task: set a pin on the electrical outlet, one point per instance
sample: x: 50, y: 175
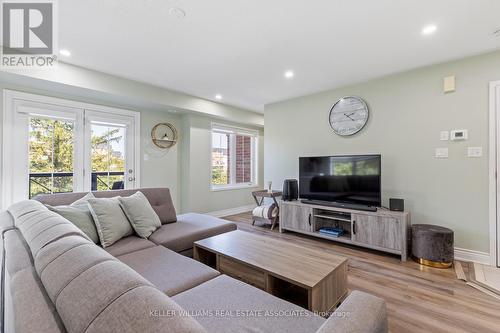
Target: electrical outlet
x: 441, y: 153
x: 475, y: 151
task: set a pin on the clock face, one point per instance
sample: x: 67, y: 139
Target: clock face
x: 349, y: 115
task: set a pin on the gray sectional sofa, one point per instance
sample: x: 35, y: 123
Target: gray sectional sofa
x: 55, y: 279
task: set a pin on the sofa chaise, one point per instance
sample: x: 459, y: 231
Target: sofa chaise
x: 55, y: 279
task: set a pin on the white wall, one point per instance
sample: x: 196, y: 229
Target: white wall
x: 407, y: 113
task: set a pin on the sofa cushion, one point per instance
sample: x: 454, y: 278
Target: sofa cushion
x: 110, y: 220
x: 141, y: 215
x: 54, y: 250
x: 129, y: 244
x: 189, y: 228
x: 6, y: 221
x: 170, y: 272
x: 245, y: 309
x: 18, y: 255
x: 366, y: 313
x: 38, y: 232
x: 67, y: 266
x: 144, y: 309
x: 23, y: 207
x: 92, y: 291
x: 33, y: 310
x: 29, y: 219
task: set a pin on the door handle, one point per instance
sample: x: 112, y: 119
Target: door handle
x: 354, y: 227
x: 309, y: 219
x: 131, y: 179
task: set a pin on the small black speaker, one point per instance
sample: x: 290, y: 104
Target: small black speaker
x: 290, y: 190
x: 397, y: 205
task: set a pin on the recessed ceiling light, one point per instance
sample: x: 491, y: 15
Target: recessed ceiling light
x: 64, y: 52
x: 218, y: 96
x: 429, y: 29
x: 177, y: 12
x: 289, y: 74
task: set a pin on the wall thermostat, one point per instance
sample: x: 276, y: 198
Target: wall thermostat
x: 457, y: 135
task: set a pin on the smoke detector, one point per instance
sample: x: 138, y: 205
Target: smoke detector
x: 177, y: 12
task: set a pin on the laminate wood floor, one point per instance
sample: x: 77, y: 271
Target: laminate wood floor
x: 419, y: 298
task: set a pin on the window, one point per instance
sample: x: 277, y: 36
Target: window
x: 234, y: 157
x: 54, y: 145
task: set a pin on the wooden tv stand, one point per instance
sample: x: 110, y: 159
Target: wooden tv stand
x: 383, y: 230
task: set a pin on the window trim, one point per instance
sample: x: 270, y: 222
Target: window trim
x: 12, y: 99
x: 235, y: 130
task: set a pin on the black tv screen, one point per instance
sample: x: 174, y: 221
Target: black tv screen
x: 352, y: 179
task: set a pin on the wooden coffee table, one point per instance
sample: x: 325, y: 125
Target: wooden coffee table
x: 311, y: 278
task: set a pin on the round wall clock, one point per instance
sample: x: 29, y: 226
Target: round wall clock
x: 348, y: 115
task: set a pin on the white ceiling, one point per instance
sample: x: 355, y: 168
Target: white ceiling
x: 240, y: 48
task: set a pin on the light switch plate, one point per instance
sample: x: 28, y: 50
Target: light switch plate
x: 475, y: 152
x: 441, y: 153
x: 444, y: 135
x: 449, y: 84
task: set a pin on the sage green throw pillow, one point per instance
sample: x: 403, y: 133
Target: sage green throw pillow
x: 79, y: 214
x: 141, y: 215
x: 110, y: 220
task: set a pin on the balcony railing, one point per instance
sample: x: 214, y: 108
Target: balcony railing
x: 62, y: 182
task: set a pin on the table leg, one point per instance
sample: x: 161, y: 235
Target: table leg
x: 256, y: 201
x: 276, y: 218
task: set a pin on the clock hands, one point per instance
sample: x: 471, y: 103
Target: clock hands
x: 349, y: 115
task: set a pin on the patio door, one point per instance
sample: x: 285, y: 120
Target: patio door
x: 53, y: 146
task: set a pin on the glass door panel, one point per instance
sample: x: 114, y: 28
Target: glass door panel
x: 109, y: 151
x: 107, y: 157
x: 51, y: 155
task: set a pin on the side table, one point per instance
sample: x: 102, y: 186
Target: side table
x: 259, y: 197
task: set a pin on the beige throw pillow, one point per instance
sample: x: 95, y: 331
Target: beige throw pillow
x: 110, y: 220
x: 141, y: 215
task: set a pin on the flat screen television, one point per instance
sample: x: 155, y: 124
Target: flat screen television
x: 351, y: 179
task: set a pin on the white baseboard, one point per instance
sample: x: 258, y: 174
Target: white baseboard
x: 471, y: 255
x: 232, y: 211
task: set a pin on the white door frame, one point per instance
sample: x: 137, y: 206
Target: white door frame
x: 494, y: 162
x: 126, y: 121
x: 11, y: 97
